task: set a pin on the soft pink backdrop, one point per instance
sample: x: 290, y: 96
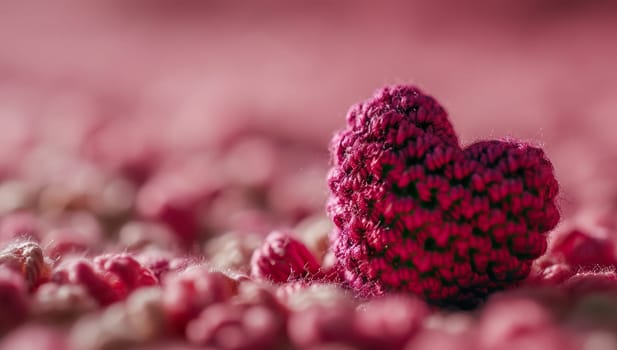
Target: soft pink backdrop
x: 185, y: 74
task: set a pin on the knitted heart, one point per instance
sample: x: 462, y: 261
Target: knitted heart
x: 416, y: 212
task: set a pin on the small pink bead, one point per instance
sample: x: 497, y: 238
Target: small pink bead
x: 237, y: 327
x: 582, y: 250
x: 389, y: 322
x: 283, y: 258
x: 320, y: 325
x: 27, y: 258
x: 187, y: 293
x: 108, y: 278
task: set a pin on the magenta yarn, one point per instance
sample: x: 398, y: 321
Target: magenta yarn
x: 415, y: 212
x: 283, y: 258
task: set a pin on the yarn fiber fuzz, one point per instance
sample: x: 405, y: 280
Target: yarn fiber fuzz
x: 415, y: 212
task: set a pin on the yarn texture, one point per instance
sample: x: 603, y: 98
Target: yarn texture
x: 283, y: 258
x: 415, y: 212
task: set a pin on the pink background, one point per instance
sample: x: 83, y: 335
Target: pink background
x: 184, y: 75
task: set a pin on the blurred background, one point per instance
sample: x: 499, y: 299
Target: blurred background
x: 179, y: 99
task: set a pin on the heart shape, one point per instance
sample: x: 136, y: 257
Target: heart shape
x: 415, y: 212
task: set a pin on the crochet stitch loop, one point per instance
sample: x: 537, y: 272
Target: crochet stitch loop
x: 415, y: 212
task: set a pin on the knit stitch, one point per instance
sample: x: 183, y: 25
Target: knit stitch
x: 415, y: 212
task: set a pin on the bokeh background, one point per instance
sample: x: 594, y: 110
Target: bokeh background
x: 157, y: 143
x: 133, y: 85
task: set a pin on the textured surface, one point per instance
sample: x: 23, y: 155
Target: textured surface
x: 181, y: 133
x: 282, y: 258
x: 417, y: 213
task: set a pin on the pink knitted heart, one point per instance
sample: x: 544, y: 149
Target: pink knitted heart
x: 415, y: 212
